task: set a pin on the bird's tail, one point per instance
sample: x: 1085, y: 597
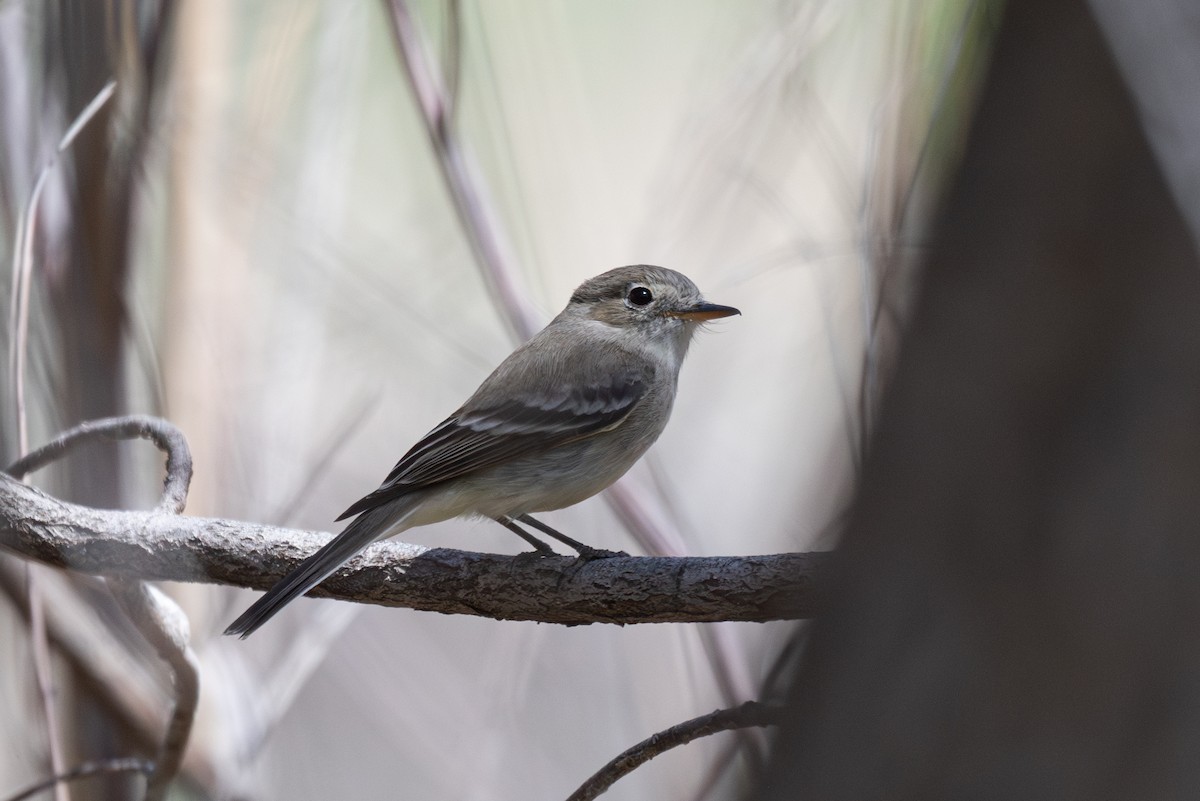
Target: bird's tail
x: 366, y: 528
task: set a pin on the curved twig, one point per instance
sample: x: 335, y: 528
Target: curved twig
x: 163, y: 624
x: 749, y: 714
x: 154, y: 615
x: 164, y: 435
x: 86, y: 770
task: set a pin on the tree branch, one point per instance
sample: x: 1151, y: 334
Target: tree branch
x: 163, y: 624
x: 156, y: 616
x: 86, y: 771
x: 130, y: 547
x: 158, y: 546
x: 165, y: 436
x: 751, y: 713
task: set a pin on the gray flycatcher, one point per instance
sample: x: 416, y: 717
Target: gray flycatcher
x: 559, y: 420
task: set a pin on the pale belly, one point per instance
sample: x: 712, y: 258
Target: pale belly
x: 554, y: 480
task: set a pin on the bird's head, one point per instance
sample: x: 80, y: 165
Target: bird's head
x: 647, y: 302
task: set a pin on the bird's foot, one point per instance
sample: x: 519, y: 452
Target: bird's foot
x: 589, y: 554
x: 536, y: 555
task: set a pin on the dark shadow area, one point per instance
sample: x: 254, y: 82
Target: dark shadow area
x: 1020, y: 583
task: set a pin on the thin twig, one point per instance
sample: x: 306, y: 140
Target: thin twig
x: 163, y: 624
x: 22, y: 278
x: 629, y: 502
x: 732, y: 676
x: 493, y: 253
x: 43, y: 674
x: 125, y: 683
x: 19, y: 339
x: 717, y: 768
x: 468, y: 191
x: 749, y: 714
x: 163, y: 434
x: 492, y: 250
x: 453, y: 58
x: 19, y: 312
x: 84, y: 771
x: 23, y: 261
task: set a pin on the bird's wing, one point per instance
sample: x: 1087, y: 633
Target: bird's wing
x: 496, y: 427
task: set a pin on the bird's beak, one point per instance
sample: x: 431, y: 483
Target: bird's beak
x: 704, y: 311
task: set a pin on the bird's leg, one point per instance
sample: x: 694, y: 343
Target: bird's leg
x: 541, y: 548
x: 586, y: 552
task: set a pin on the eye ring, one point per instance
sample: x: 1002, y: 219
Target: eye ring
x: 640, y: 296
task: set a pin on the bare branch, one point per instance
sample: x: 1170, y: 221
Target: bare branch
x: 155, y: 615
x: 163, y: 624
x: 164, y: 435
x: 156, y: 546
x: 47, y: 693
x: 751, y: 713
x: 127, y: 685
x: 129, y: 547
x: 18, y: 351
x: 86, y: 770
x: 468, y: 190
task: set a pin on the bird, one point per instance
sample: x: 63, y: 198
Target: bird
x: 562, y: 418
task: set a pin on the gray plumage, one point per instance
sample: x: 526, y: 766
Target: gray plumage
x: 563, y: 417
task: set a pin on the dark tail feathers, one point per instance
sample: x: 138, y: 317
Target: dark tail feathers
x: 367, y: 528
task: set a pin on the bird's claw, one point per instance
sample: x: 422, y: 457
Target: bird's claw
x: 535, y: 555
x: 589, y: 554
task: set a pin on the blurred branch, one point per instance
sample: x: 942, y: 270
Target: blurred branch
x: 453, y: 56
x: 158, y: 546
x: 44, y: 676
x: 23, y: 260
x: 163, y: 624
x: 154, y: 615
x: 436, y: 96
x: 22, y: 279
x: 165, y: 436
x: 125, y: 684
x: 84, y: 771
x: 749, y: 714
x: 466, y: 185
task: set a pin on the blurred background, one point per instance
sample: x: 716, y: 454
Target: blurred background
x: 235, y: 216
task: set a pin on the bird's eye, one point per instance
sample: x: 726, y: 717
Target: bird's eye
x: 640, y: 296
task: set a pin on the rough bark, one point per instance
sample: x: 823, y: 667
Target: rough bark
x: 622, y: 589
